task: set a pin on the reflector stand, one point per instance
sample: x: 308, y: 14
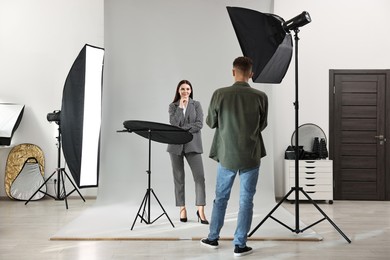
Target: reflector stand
x: 162, y: 133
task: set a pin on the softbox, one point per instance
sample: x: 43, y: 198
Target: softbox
x: 80, y: 118
x: 10, y: 117
x: 262, y: 38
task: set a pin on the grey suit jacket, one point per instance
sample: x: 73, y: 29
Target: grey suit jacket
x: 192, y: 121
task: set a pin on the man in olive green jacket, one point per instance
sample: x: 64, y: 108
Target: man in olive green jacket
x: 239, y: 114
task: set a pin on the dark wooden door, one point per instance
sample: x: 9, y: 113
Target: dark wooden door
x: 357, y: 127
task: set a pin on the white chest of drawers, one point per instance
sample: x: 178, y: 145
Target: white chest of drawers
x: 315, y: 177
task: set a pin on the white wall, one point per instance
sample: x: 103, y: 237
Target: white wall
x: 39, y: 41
x: 347, y: 34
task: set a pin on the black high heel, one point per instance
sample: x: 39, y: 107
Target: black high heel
x: 183, y: 219
x: 201, y: 220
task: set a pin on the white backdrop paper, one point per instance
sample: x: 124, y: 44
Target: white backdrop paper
x: 150, y: 46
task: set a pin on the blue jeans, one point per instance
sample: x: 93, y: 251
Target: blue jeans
x: 225, y: 180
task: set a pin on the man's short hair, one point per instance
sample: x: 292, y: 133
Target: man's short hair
x: 244, y: 64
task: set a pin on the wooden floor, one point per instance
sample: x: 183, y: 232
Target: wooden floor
x: 25, y: 233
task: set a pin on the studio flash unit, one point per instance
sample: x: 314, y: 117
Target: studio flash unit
x: 298, y: 21
x: 54, y: 117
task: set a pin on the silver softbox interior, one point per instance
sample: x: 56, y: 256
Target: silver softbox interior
x: 10, y: 117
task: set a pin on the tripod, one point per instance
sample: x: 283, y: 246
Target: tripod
x: 162, y: 133
x: 61, y: 177
x: 149, y: 191
x: 296, y: 189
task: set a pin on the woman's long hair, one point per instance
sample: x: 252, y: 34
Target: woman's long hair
x: 177, y: 94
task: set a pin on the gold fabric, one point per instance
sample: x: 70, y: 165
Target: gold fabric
x: 16, y: 159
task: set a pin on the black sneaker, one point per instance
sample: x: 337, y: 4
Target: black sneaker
x: 238, y: 251
x: 209, y: 243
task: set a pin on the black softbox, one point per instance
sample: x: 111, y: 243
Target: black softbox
x: 263, y: 39
x: 80, y: 117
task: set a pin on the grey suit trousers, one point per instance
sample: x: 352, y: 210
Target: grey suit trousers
x: 196, y: 164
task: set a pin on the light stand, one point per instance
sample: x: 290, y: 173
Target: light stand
x: 149, y: 191
x: 296, y: 189
x: 61, y: 177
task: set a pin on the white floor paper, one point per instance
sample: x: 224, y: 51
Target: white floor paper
x: 110, y: 219
x: 114, y: 222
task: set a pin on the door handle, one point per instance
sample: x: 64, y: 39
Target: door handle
x: 381, y: 139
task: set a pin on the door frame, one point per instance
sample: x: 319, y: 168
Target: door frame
x: 332, y: 111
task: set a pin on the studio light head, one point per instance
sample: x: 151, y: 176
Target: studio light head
x: 296, y: 22
x: 54, y: 117
x: 263, y: 39
x: 266, y: 39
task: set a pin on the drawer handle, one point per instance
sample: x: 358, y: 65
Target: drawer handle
x: 310, y: 192
x: 310, y: 172
x: 309, y: 167
x: 310, y: 178
x: 310, y: 185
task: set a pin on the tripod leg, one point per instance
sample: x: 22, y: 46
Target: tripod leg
x: 162, y: 207
x: 271, y: 212
x: 39, y: 189
x: 147, y: 200
x: 326, y: 216
x: 74, y: 186
x: 144, y: 201
x: 62, y: 179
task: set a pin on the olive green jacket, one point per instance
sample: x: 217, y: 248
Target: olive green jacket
x: 239, y: 114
